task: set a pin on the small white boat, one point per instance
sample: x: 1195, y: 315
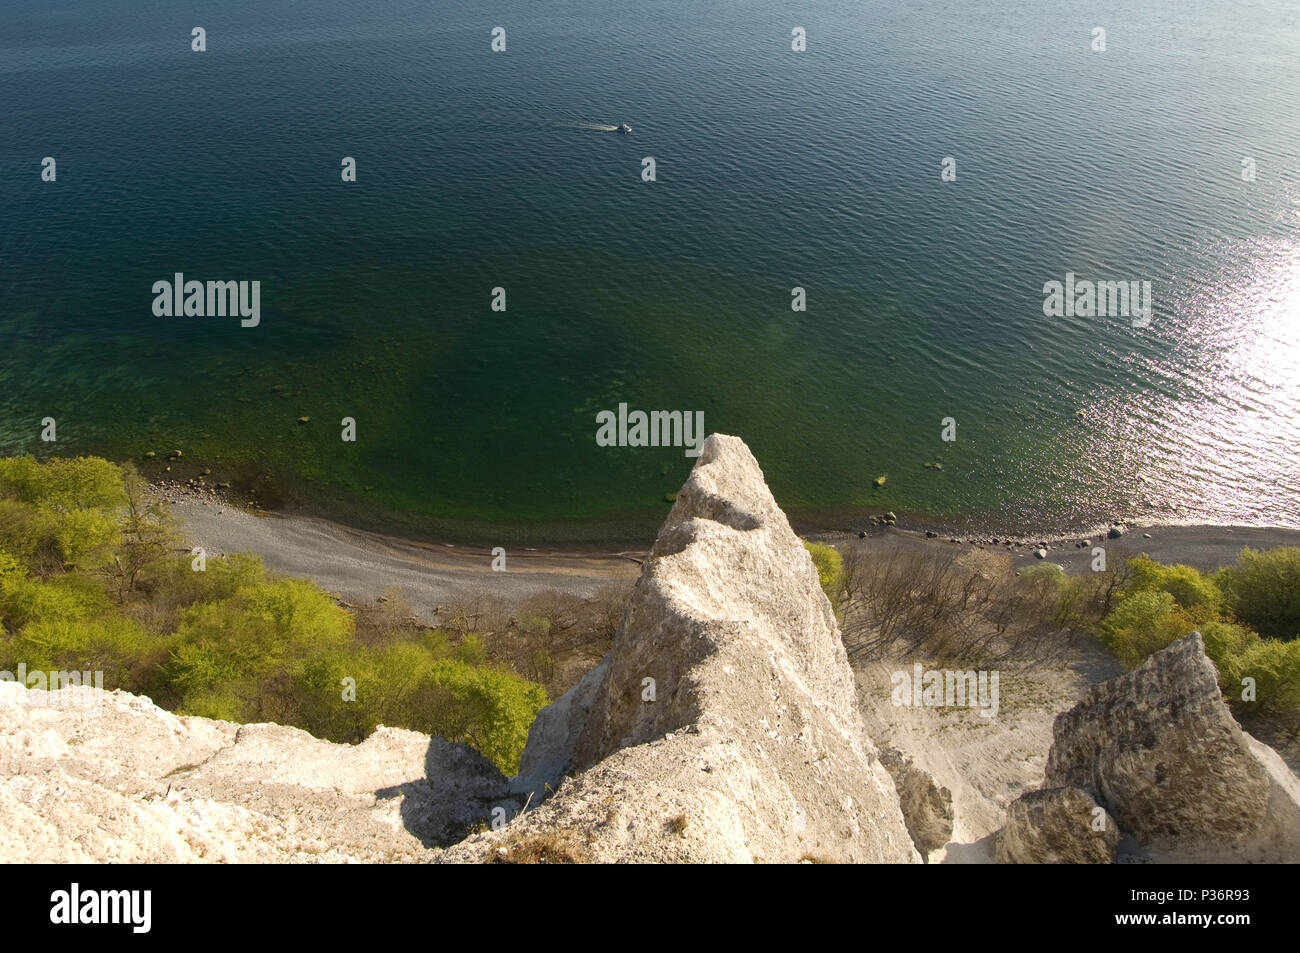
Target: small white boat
x: 624, y: 127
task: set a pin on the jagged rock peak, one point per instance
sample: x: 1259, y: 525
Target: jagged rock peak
x: 722, y: 725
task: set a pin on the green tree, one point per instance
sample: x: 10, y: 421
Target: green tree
x: 70, y: 598
x: 1263, y: 590
x: 147, y: 533
x: 234, y: 655
x: 1191, y: 589
x: 62, y: 514
x: 488, y: 709
x: 115, y: 646
x: 1274, y: 668
x: 1144, y: 622
x: 83, y: 483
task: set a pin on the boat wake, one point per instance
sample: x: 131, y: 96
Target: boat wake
x: 589, y: 126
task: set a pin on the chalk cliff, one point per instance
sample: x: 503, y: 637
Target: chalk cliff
x: 722, y: 726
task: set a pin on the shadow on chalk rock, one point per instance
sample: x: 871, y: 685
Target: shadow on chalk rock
x: 461, y: 792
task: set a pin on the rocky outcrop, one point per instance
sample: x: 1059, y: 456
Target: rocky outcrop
x: 553, y: 737
x: 94, y: 776
x: 926, y: 804
x: 722, y: 725
x: 1160, y: 751
x: 1057, y: 826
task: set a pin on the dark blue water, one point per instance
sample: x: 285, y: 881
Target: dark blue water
x: 775, y: 169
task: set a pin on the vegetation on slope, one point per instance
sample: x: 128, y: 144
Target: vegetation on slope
x: 830, y: 568
x: 92, y: 578
x: 1233, y: 609
x: 972, y: 605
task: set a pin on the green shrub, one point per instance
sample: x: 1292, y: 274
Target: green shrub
x: 220, y: 706
x: 1191, y: 589
x: 9, y: 567
x: 830, y: 569
x: 1227, y: 644
x: 1263, y: 590
x: 1049, y: 576
x: 315, y: 695
x: 472, y: 650
x: 83, y: 483
x: 71, y: 598
x: 1163, y: 603
x: 1083, y: 599
x: 1142, y: 623
x: 399, y: 675
x: 1275, y: 668
x: 1043, y: 583
x: 266, y: 624
x: 229, y: 642
x: 487, y: 708
x: 200, y: 669
x: 1052, y: 597
x: 230, y: 654
x: 539, y: 665
x: 60, y: 514
x: 1223, y: 639
x: 436, y: 641
x: 406, y: 685
x: 50, y: 540
x: 221, y: 578
x: 115, y: 646
x: 534, y: 624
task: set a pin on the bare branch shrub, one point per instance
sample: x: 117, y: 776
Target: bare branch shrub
x: 945, y: 603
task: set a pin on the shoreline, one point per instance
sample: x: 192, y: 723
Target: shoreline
x: 254, y: 488
x: 266, y: 496
x: 359, y: 563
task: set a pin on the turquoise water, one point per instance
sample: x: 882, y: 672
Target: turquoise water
x: 775, y: 169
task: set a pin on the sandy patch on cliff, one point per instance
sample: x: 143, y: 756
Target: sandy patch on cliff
x: 987, y: 762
